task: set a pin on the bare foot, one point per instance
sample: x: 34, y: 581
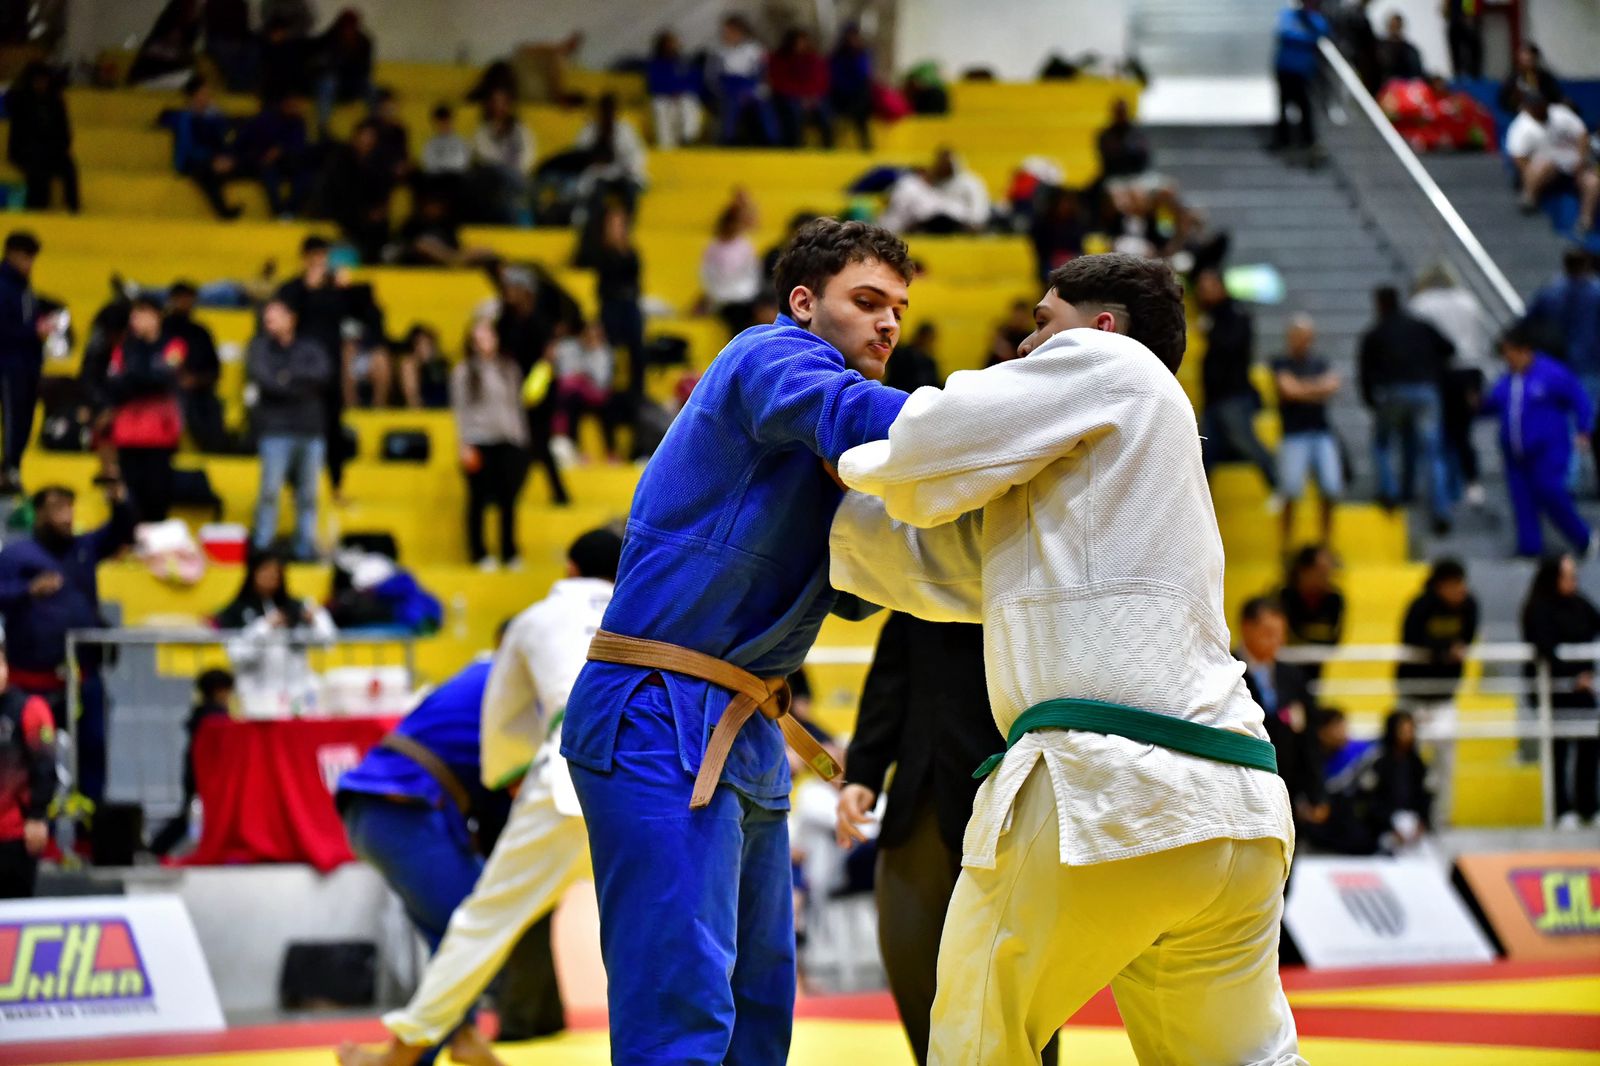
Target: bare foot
x: 469, y: 1048
x: 392, y: 1054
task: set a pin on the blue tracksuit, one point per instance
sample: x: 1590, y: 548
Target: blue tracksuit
x: 727, y: 553
x: 423, y: 848
x: 1539, y: 410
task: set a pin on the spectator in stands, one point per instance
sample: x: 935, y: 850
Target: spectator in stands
x: 1549, y: 145
x: 1402, y: 360
x: 616, y: 168
x: 430, y: 237
x: 230, y: 44
x: 673, y: 86
x: 1398, y: 58
x: 446, y: 154
x: 394, y: 140
x: 296, y: 16
x: 532, y: 315
x: 291, y: 373
x: 730, y: 271
x: 618, y: 292
x: 737, y: 70
x: 1284, y: 693
x: 1439, y: 625
x: 1352, y: 29
x: 199, y: 371
x: 320, y: 299
x: 1565, y: 316
x: 1015, y: 328
x: 28, y: 785
x: 1464, y: 31
x: 799, y: 76
x: 24, y: 325
x: 39, y: 142
x: 202, y: 145
x: 1124, y: 149
x: 49, y: 586
x: 1058, y: 230
x: 344, y: 62
x: 584, y: 367
x: 1230, y: 400
x: 1300, y: 26
x: 945, y: 197
x: 215, y: 690
x: 1313, y: 606
x: 1438, y: 299
x: 169, y: 49
x: 502, y: 160
x: 1305, y: 384
x: 274, y: 149
x: 1542, y: 410
x: 146, y: 420
x: 359, y: 186
x: 850, y: 82
x: 1529, y: 77
x: 285, y: 55
x: 1556, y: 613
x: 273, y: 675
x: 1401, y: 810
x: 485, y: 393
x: 914, y: 364
x: 424, y: 369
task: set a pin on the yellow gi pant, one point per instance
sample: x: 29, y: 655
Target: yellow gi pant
x: 540, y: 853
x: 1187, y: 939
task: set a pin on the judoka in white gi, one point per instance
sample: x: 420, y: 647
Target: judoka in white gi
x: 1059, y: 499
x: 543, y: 849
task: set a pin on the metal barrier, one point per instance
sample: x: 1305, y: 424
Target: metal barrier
x: 1535, y: 717
x: 149, y: 678
x: 1396, y: 192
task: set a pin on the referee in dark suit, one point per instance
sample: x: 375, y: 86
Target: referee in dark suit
x: 925, y: 712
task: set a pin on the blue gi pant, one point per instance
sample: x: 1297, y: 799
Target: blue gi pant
x: 423, y: 853
x: 1538, y: 485
x: 696, y: 916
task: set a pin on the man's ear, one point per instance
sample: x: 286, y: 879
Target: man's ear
x: 1106, y: 321
x: 802, y: 305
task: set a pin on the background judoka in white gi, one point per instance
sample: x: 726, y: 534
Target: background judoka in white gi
x: 1060, y: 500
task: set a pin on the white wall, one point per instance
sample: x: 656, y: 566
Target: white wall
x: 1568, y: 32
x: 1013, y: 37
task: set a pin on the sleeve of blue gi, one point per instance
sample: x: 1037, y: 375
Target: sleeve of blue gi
x: 802, y: 394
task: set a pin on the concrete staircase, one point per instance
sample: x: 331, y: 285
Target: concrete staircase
x: 1526, y: 247
x: 1213, y: 38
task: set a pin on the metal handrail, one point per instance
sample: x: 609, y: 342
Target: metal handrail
x: 1350, y: 82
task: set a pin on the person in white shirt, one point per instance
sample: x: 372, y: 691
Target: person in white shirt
x: 446, y: 152
x: 503, y: 153
x: 945, y: 198
x: 1135, y: 831
x: 1550, y: 146
x: 543, y: 849
x: 617, y: 153
x: 730, y: 270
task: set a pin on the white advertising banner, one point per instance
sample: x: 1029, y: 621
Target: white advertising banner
x: 101, y: 966
x: 1346, y: 912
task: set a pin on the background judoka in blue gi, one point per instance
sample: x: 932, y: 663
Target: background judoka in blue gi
x: 726, y: 553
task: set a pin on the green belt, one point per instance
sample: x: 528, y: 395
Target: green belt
x: 1147, y: 727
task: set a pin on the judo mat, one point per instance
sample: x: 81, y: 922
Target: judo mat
x: 1527, y: 1014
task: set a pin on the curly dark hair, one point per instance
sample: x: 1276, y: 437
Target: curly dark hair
x: 1144, y: 288
x: 824, y: 246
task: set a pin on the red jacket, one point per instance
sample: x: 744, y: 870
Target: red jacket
x: 27, y: 761
x: 802, y: 76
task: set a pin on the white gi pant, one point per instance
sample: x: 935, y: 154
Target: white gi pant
x: 540, y: 853
x: 1187, y: 938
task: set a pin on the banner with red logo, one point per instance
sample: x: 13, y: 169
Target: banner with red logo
x: 1541, y: 904
x: 101, y: 966
x: 1379, y: 912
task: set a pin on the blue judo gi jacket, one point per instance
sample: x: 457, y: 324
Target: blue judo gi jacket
x: 726, y: 550
x: 1539, y: 410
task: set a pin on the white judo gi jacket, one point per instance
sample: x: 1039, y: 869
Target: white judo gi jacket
x: 1060, y: 500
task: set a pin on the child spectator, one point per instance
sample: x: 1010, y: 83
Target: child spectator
x: 730, y: 271
x: 584, y: 368
x: 485, y: 392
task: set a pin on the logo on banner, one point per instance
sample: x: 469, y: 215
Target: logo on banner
x: 1560, y: 901
x: 81, y: 963
x: 336, y: 760
x: 1373, y: 904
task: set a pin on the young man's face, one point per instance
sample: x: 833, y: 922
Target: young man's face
x: 858, y: 312
x: 1052, y: 314
x: 1263, y: 636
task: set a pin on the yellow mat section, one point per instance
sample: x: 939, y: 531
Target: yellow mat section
x: 1550, y: 995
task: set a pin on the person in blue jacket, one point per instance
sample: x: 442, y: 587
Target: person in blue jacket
x: 1542, y: 408
x: 726, y: 555
x: 1300, y: 26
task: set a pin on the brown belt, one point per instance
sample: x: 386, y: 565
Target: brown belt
x: 435, y: 766
x: 770, y: 696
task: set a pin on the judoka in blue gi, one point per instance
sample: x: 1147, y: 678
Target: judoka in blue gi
x: 726, y: 555
x: 1541, y: 406
x: 406, y: 807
